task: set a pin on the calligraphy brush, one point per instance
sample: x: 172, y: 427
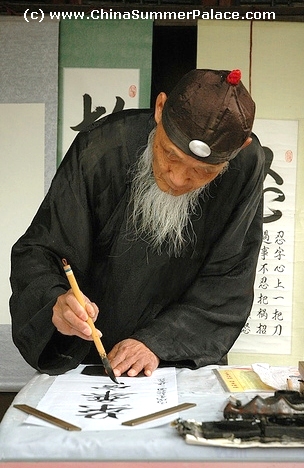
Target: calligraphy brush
x: 99, y: 346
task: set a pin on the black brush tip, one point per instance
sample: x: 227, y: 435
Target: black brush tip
x: 109, y: 369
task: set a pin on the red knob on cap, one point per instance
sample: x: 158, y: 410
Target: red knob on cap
x: 234, y: 77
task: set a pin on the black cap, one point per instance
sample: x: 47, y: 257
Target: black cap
x: 209, y: 115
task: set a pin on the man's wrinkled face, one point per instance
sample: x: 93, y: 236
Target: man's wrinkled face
x: 176, y: 172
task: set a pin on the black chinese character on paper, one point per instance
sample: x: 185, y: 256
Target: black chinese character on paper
x: 278, y: 180
x: 90, y: 116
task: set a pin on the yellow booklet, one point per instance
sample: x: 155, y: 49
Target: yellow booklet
x: 241, y: 379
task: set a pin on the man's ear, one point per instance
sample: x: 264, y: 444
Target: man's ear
x: 246, y: 143
x: 159, y: 105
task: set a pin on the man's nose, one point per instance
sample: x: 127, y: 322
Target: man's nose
x: 180, y: 177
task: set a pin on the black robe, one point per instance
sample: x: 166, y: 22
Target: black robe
x: 188, y: 310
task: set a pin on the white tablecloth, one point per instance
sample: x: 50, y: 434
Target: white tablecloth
x: 21, y: 441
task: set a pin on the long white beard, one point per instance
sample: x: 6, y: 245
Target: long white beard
x: 161, y: 219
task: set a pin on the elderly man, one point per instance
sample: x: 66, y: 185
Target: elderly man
x: 160, y: 217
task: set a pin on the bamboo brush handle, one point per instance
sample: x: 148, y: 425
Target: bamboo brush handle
x: 79, y: 296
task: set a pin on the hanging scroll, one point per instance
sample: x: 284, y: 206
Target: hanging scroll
x: 269, y: 327
x: 101, y: 70
x: 92, y: 93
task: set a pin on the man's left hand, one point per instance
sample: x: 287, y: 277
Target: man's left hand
x: 132, y: 356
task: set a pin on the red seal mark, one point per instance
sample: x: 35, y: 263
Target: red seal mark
x: 132, y: 91
x: 288, y: 156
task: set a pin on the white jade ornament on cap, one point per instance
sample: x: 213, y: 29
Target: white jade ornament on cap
x: 199, y: 148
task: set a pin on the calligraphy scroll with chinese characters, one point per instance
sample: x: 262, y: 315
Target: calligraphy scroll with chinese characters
x: 269, y: 327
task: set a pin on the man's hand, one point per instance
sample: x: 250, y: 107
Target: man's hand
x: 132, y: 356
x: 69, y: 317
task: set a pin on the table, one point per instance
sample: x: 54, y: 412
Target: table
x: 22, y: 442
